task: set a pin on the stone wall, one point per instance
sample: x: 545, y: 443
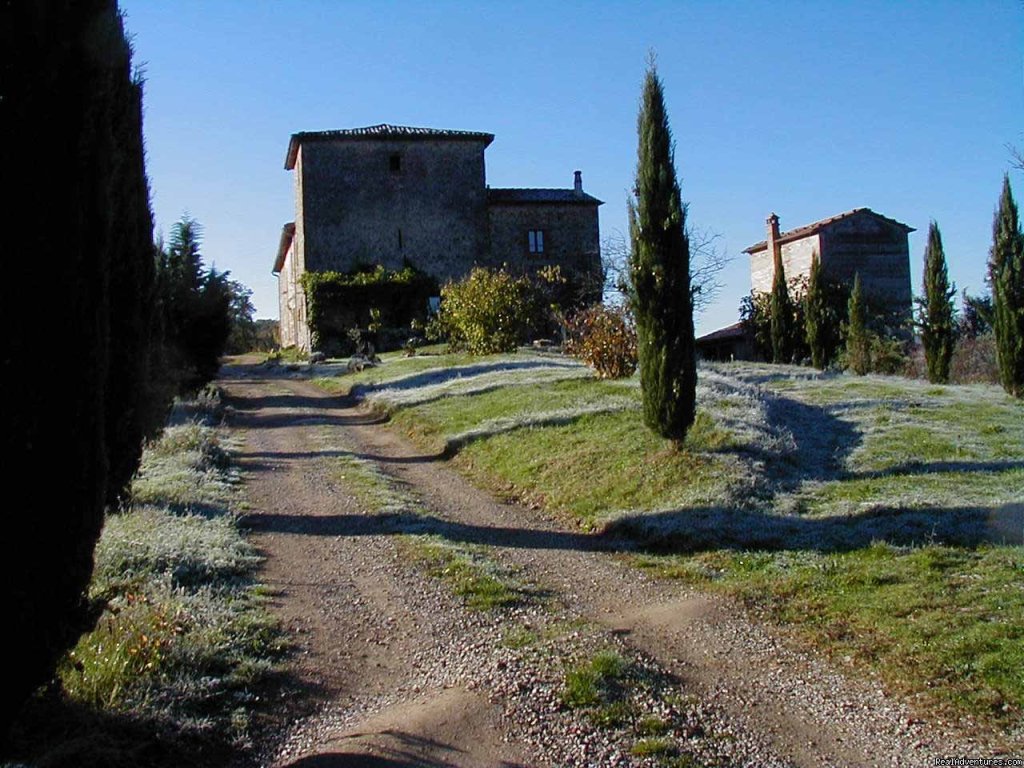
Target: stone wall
x: 356, y: 207
x: 571, y: 238
x: 796, y: 262
x: 879, y: 252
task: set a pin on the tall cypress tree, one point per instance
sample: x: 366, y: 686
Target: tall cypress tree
x: 816, y: 316
x: 782, y: 314
x: 936, y: 314
x: 61, y: 64
x: 1006, y: 274
x: 660, y: 272
x: 858, y: 339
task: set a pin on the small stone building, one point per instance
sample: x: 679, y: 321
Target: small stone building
x: 856, y: 242
x: 396, y: 195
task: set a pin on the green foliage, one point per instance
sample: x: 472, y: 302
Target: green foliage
x: 823, y: 318
x: 976, y: 317
x: 79, y: 233
x: 756, y: 316
x: 244, y: 335
x: 486, y: 312
x: 594, y: 681
x: 604, y: 337
x: 337, y: 302
x: 662, y: 301
x: 936, y: 314
x: 1006, y: 275
x: 196, y: 305
x: 858, y: 338
x: 781, y: 308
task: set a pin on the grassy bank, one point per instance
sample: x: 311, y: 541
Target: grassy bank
x: 879, y: 517
x: 172, y: 671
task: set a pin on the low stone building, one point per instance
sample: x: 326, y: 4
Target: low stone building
x: 855, y: 242
x: 859, y: 241
x: 397, y: 196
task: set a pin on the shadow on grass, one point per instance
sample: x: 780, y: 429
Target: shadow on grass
x: 704, y: 528
x: 410, y: 523
x: 54, y: 732
x: 442, y: 375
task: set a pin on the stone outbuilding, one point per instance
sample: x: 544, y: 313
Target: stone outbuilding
x: 397, y: 196
x: 859, y: 241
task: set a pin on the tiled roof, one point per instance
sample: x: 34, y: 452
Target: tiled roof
x: 382, y: 131
x: 734, y: 331
x: 516, y: 196
x: 810, y: 229
x: 287, y: 233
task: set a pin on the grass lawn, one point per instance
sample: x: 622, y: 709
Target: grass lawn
x: 879, y: 517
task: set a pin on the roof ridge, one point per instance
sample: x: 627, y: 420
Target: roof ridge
x: 814, y: 226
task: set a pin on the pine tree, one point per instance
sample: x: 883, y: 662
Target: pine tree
x: 858, y: 338
x: 816, y: 316
x: 782, y: 314
x: 936, y: 314
x: 660, y: 271
x: 1006, y: 274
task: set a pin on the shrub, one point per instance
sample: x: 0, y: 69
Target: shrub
x: 974, y: 361
x: 486, y: 312
x: 604, y: 338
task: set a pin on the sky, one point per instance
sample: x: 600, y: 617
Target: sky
x: 805, y: 109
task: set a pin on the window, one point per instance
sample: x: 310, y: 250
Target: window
x: 395, y: 162
x: 535, y: 240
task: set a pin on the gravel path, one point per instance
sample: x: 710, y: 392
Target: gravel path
x: 392, y: 669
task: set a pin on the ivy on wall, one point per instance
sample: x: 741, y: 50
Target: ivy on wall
x: 339, y: 301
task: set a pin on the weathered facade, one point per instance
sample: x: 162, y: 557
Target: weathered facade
x: 395, y: 195
x: 855, y: 242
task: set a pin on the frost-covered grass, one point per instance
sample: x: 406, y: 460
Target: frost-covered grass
x: 184, y: 641
x: 882, y: 518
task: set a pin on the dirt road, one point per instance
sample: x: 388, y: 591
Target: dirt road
x: 395, y: 670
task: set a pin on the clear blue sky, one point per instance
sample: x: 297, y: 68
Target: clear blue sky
x: 802, y: 108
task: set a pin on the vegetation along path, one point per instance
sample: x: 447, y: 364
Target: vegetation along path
x: 438, y: 625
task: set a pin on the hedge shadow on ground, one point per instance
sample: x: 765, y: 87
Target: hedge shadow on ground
x: 709, y: 528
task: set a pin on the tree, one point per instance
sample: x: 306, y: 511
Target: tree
x: 781, y: 314
x: 936, y: 314
x: 78, y: 242
x: 976, y: 316
x: 1006, y: 275
x: 196, y: 308
x: 662, y: 300
x: 858, y: 337
x: 822, y: 318
x: 243, y: 336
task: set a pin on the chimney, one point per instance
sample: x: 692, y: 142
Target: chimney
x: 773, y: 235
x: 578, y: 182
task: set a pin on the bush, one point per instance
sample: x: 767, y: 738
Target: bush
x: 974, y: 361
x: 604, y: 338
x: 485, y: 312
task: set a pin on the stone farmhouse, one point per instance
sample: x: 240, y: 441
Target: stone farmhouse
x: 859, y: 241
x: 395, y: 195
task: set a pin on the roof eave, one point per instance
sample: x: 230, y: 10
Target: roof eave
x: 287, y: 235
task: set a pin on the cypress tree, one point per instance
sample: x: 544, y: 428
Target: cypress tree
x: 817, y: 316
x: 60, y: 67
x: 137, y: 406
x: 1006, y: 274
x: 660, y: 273
x: 936, y: 313
x: 782, y: 314
x: 858, y: 339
